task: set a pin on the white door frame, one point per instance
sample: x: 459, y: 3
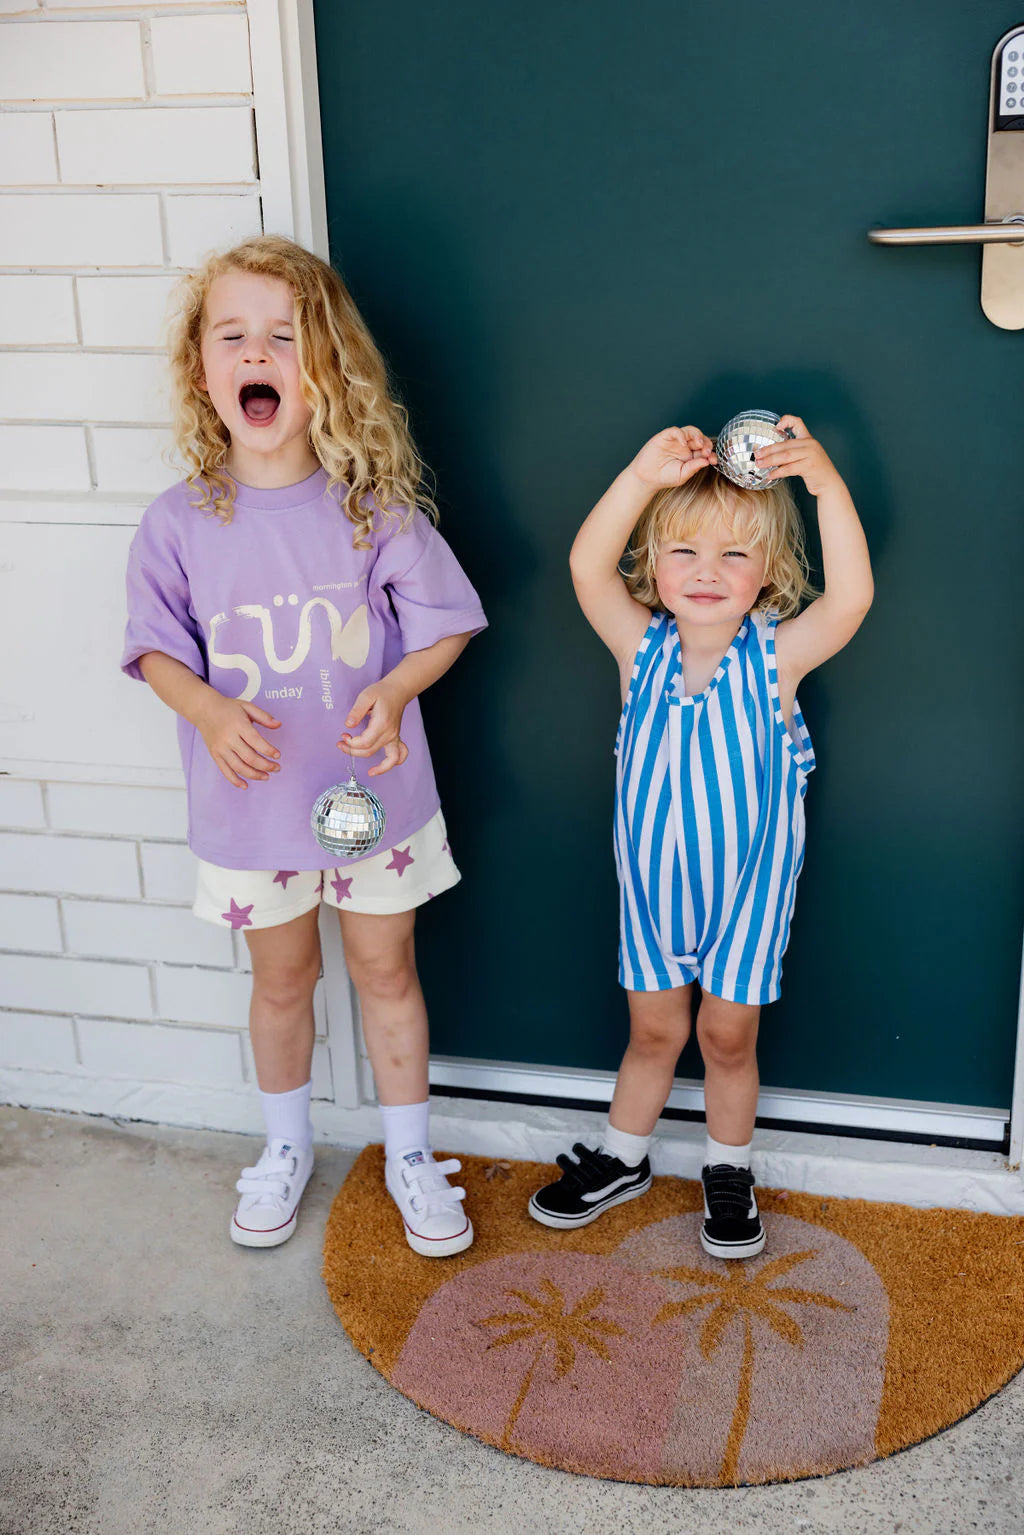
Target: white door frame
x: 287, y: 106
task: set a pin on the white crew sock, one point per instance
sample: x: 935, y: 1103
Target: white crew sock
x: 406, y: 1127
x: 630, y: 1149
x: 717, y: 1152
x: 286, y: 1116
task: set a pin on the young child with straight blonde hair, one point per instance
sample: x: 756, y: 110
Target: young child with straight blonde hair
x: 290, y: 590
x: 713, y: 756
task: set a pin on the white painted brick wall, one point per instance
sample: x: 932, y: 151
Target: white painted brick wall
x: 119, y: 930
x: 127, y: 458
x: 203, y: 996
x: 104, y: 807
x: 166, y: 144
x: 200, y: 55
x: 21, y: 803
x: 37, y: 311
x: 80, y: 230
x: 44, y: 458
x: 74, y: 386
x: 37, y: 1042
x: 54, y: 62
x: 198, y: 225
x: 75, y: 986
x: 124, y: 311
x: 160, y: 1054
x: 30, y: 922
x: 126, y: 153
x: 76, y: 865
x: 28, y: 154
x: 168, y: 873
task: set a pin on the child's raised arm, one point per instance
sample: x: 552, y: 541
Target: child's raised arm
x: 830, y: 622
x: 671, y: 458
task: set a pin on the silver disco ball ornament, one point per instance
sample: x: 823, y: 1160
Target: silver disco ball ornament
x: 348, y: 820
x: 740, y: 439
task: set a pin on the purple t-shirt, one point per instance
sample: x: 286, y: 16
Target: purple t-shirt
x: 278, y: 608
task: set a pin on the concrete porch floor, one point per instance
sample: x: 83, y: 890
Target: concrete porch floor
x: 159, y: 1379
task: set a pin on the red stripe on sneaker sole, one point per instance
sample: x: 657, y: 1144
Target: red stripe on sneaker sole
x: 452, y: 1238
x: 266, y: 1230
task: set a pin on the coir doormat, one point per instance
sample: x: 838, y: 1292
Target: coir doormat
x: 624, y: 1351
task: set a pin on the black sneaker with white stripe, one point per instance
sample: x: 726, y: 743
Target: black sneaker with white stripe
x: 732, y: 1225
x: 591, y: 1182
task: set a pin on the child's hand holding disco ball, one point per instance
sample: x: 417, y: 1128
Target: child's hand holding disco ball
x: 742, y: 439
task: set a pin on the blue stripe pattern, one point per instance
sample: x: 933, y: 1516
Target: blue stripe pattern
x: 709, y: 818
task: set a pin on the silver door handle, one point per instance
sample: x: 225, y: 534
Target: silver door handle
x: 1008, y: 232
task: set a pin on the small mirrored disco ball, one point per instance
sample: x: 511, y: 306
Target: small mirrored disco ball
x: 348, y: 820
x: 740, y: 439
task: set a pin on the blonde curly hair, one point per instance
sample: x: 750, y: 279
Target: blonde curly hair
x: 359, y: 431
x: 767, y: 519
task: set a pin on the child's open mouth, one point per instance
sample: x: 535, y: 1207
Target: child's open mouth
x: 259, y: 402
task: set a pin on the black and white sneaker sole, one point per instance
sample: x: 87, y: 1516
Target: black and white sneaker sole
x: 748, y: 1249
x: 585, y: 1217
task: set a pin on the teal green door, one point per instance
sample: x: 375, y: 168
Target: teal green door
x: 570, y: 225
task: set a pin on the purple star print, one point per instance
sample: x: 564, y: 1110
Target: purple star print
x: 401, y: 858
x: 342, y: 887
x: 283, y: 876
x: 238, y: 916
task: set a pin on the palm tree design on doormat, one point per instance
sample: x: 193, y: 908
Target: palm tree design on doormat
x: 548, y: 1322
x: 739, y: 1294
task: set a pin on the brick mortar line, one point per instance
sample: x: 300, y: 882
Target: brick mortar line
x: 134, y: 13
x: 148, y: 63
x: 100, y: 12
x: 84, y: 349
x: 92, y: 958
x: 90, y: 456
x: 239, y: 1031
x: 13, y: 107
x: 94, y: 495
x: 13, y: 269
x: 104, y: 836
x: 134, y: 1023
x: 130, y: 188
x: 109, y: 900
x: 153, y: 902
x: 56, y: 144
x: 76, y: 309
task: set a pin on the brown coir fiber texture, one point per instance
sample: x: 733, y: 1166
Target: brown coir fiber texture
x: 622, y: 1350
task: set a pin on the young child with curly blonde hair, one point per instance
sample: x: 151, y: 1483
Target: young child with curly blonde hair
x: 292, y: 589
x: 713, y: 756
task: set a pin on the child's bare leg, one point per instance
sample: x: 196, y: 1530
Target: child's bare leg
x: 659, y: 1026
x: 727, y: 1035
x: 381, y: 960
x: 593, y: 1180
x: 285, y: 966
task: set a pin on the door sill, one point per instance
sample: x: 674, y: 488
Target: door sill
x: 779, y: 1109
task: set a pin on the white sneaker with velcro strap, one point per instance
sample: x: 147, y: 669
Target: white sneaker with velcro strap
x: 265, y: 1214
x: 436, y: 1225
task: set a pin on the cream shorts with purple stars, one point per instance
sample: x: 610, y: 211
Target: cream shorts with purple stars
x: 399, y: 879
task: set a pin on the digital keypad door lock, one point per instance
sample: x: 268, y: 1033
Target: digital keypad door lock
x: 1001, y: 236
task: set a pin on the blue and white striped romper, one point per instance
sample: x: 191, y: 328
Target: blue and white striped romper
x: 709, y: 818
